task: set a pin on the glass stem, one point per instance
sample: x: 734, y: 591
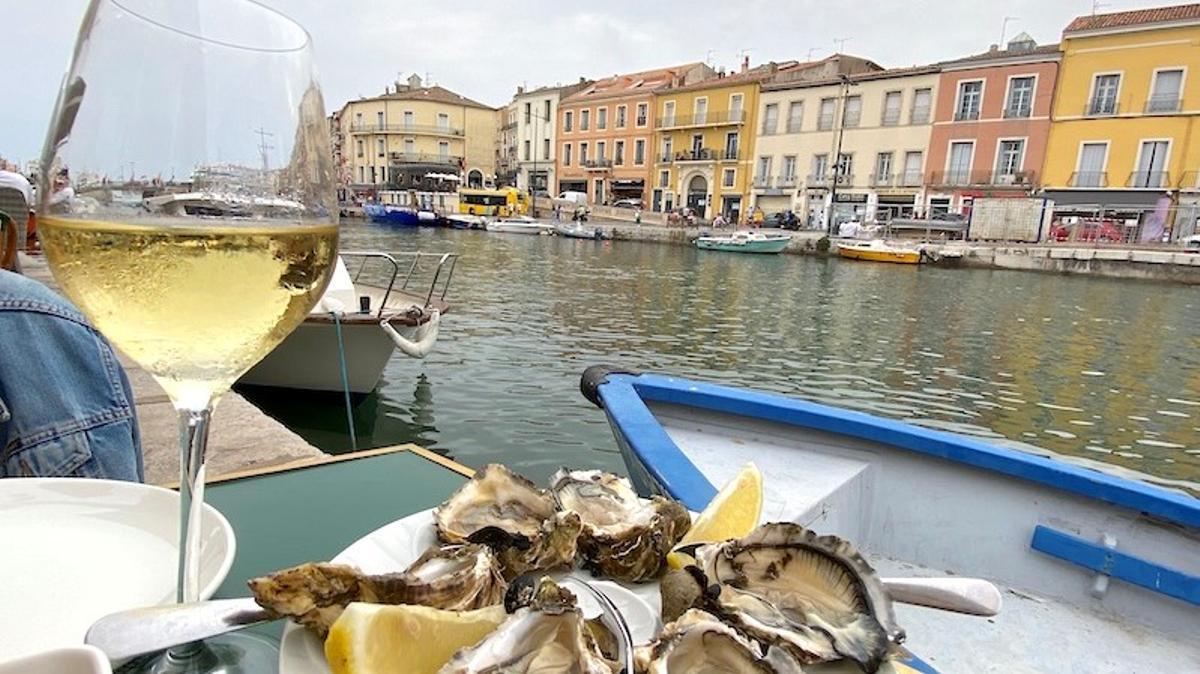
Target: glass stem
x: 193, y: 440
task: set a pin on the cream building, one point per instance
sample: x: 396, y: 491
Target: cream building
x: 535, y: 137
x: 882, y: 119
x: 412, y: 134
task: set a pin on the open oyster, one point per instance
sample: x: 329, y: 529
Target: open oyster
x: 623, y: 537
x: 515, y: 518
x: 457, y: 578
x: 544, y: 633
x: 698, y: 643
x: 811, y: 595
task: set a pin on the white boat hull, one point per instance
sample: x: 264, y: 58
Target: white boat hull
x: 308, y: 358
x: 518, y: 227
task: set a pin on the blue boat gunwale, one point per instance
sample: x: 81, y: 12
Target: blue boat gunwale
x: 624, y: 397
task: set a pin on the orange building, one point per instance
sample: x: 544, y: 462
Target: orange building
x: 991, y: 123
x: 605, y: 133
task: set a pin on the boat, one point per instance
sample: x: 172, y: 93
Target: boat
x: 361, y: 324
x: 221, y: 204
x: 578, y: 230
x: 745, y: 242
x: 1099, y: 572
x: 519, y: 224
x: 460, y: 221
x: 877, y: 250
x: 398, y: 215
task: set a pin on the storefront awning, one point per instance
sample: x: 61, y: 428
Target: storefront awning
x: 1112, y: 199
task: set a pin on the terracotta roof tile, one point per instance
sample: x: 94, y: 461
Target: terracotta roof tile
x: 434, y: 93
x: 1039, y: 50
x: 1134, y: 18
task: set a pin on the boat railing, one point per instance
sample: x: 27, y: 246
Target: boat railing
x: 440, y: 267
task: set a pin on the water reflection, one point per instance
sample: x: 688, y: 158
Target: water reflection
x: 1097, y: 369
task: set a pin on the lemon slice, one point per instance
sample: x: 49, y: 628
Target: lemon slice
x: 377, y: 639
x: 732, y: 513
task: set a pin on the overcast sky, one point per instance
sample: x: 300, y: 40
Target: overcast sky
x: 483, y: 50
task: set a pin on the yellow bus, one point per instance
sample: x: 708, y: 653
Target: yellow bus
x: 502, y: 202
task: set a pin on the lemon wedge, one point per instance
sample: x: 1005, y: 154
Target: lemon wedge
x: 732, y: 513
x: 378, y: 639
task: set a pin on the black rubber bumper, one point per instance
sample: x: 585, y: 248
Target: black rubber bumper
x: 594, y: 377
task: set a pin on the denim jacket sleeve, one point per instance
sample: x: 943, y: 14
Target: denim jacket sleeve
x: 66, y: 408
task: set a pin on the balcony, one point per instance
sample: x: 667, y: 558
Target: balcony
x: 851, y: 120
x: 1190, y: 181
x: 981, y: 178
x: 1163, y: 104
x: 1148, y: 179
x: 825, y: 122
x: 1089, y: 179
x: 890, y: 118
x: 786, y: 181
x: 762, y: 182
x: 416, y: 129
x: 1101, y: 107
x: 704, y: 154
x: 424, y: 158
x: 597, y: 164
x: 1014, y: 178
x: 911, y: 179
x: 827, y: 179
x: 969, y: 115
x: 883, y: 180
x: 641, y: 121
x: 706, y: 119
x: 1017, y: 112
x: 793, y: 126
x: 919, y: 115
x: 665, y: 158
x: 769, y: 129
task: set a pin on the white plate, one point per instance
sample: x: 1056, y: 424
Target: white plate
x: 73, y: 550
x: 394, y: 546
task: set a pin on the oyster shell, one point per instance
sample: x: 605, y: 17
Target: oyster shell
x: 699, y: 643
x: 457, y: 578
x: 515, y: 518
x: 545, y: 633
x: 814, y: 596
x: 623, y: 537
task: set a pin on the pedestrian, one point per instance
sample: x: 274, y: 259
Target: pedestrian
x: 637, y: 215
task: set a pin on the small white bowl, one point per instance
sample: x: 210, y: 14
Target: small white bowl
x: 70, y: 660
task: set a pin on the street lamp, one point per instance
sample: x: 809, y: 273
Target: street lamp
x: 837, y: 155
x: 534, y: 152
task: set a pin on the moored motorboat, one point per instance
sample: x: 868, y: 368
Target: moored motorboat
x: 1101, y: 573
x: 745, y: 242
x: 520, y: 224
x: 403, y: 216
x: 361, y: 325
x: 460, y: 221
x: 578, y: 230
x: 877, y: 250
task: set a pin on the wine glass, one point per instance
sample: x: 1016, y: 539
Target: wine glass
x: 187, y: 207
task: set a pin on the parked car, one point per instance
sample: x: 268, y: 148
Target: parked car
x: 571, y: 199
x: 1088, y: 230
x: 1192, y: 244
x: 627, y: 203
x: 786, y: 220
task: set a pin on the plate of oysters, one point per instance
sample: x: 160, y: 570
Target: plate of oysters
x: 562, y: 560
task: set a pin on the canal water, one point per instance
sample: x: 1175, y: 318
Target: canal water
x: 1097, y: 370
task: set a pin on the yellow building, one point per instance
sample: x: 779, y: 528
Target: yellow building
x: 704, y: 137
x: 413, y: 136
x: 1125, y: 128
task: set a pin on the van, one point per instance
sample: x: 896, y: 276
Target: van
x: 571, y: 199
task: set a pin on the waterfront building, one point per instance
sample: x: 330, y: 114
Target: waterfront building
x: 846, y: 140
x: 990, y: 125
x: 413, y: 133
x: 606, y: 133
x: 506, y: 145
x: 1125, y: 130
x: 536, y: 134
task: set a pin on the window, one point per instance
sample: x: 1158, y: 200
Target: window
x: 697, y: 145
x: 922, y: 104
x: 601, y: 118
x: 379, y: 119
x: 362, y: 174
x: 408, y: 119
x: 728, y: 177
x: 731, y: 145
x: 639, y: 151
x: 381, y: 147
x: 891, y: 108
x: 358, y: 119
x: 546, y: 110
x: 820, y: 167
x: 410, y: 146
x: 1152, y: 164
x: 584, y: 116
x: 700, y: 110
x: 852, y: 112
x: 1104, y: 95
x: 583, y: 153
x: 443, y: 149
x: 958, y: 170
x: 641, y: 114
x: 546, y: 148
x: 526, y: 153
x: 619, y: 153
x: 970, y: 99
x: 568, y: 117
x: 795, y: 116
x: 883, y: 168
x: 359, y: 149
x: 912, y: 169
x: 789, y: 168
x: 845, y: 168
x: 762, y: 174
x: 1090, y: 172
x: 600, y: 148
x: 735, y: 108
x: 621, y: 109
x: 528, y: 112
x: 566, y: 154
x: 825, y: 118
x: 1009, y: 157
x: 1165, y: 95
x: 666, y: 149
x: 770, y: 119
x: 1020, y: 97
x: 669, y: 113
x: 664, y: 178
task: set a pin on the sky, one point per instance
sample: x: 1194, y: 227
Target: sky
x: 484, y: 50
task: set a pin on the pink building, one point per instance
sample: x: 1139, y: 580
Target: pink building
x: 991, y: 122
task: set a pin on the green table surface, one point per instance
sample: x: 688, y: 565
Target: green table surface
x: 312, y: 513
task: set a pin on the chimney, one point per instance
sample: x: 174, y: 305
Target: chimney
x: 582, y: 79
x: 414, y: 81
x: 745, y: 63
x: 993, y: 48
x: 721, y: 71
x: 520, y: 90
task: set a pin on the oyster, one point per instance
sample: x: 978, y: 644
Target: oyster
x: 814, y: 596
x: 515, y: 518
x: 544, y: 633
x: 699, y: 643
x: 623, y: 537
x: 457, y: 578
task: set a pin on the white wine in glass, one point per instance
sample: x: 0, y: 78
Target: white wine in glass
x: 188, y: 209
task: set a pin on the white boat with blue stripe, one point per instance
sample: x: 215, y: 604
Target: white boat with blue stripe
x: 1099, y: 573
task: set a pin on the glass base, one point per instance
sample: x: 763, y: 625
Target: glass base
x: 235, y: 653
